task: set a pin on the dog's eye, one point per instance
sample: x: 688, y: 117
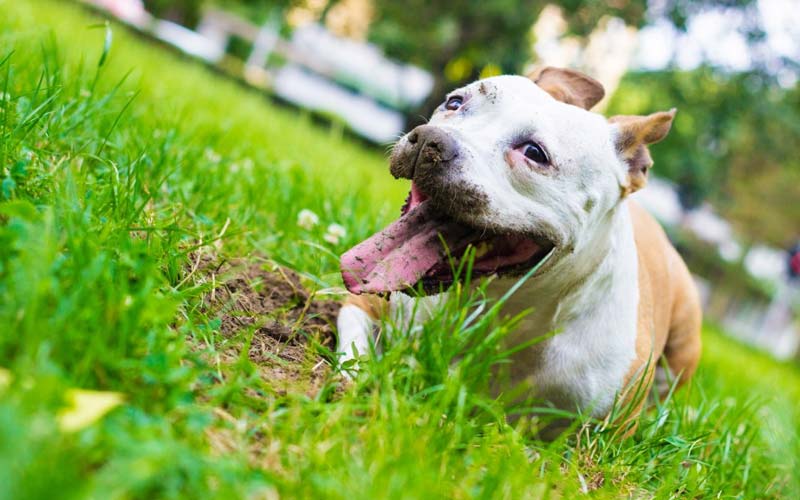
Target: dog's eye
x: 534, y: 152
x: 453, y: 102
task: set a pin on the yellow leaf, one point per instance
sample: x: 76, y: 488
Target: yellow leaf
x: 458, y: 69
x: 86, y: 407
x: 490, y: 70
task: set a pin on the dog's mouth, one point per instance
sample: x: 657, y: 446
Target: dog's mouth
x: 422, y: 248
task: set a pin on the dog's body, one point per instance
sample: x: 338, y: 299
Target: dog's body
x: 548, y: 183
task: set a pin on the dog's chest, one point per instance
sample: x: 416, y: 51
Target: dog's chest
x: 582, y: 365
x: 588, y: 341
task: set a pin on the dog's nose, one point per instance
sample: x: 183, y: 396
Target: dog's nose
x: 428, y: 147
x: 413, y: 136
x: 435, y: 144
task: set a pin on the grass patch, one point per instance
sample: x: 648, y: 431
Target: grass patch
x: 126, y: 192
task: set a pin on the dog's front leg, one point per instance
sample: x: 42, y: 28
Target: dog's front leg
x: 360, y: 316
x: 356, y: 323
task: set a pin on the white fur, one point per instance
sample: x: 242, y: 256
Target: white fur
x: 584, y: 365
x: 356, y: 327
x: 588, y: 291
x: 355, y: 332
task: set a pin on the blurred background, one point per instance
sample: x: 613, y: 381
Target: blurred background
x: 727, y: 178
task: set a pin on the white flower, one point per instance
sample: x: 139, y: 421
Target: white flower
x: 212, y: 155
x: 307, y: 219
x: 334, y: 234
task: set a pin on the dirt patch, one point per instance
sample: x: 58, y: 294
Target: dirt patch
x: 286, y: 319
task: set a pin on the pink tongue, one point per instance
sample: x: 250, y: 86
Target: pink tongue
x: 399, y: 255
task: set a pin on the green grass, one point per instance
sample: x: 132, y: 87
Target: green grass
x: 111, y: 179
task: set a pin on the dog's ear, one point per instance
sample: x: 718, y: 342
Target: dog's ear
x: 569, y: 86
x: 633, y: 134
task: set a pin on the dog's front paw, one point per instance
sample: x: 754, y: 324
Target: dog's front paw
x: 355, y: 330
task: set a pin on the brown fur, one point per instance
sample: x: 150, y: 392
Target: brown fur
x: 569, y: 86
x: 374, y: 305
x: 669, y: 316
x: 635, y: 133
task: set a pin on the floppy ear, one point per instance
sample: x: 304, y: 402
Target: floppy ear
x: 633, y: 135
x: 569, y: 86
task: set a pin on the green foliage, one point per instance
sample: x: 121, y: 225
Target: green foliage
x: 118, y: 173
x: 734, y: 142
x: 257, y: 11
x: 457, y: 40
x: 186, y: 12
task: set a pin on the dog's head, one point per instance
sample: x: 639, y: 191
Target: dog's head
x: 516, y: 167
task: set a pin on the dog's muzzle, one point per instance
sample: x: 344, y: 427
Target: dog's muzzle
x: 425, y: 150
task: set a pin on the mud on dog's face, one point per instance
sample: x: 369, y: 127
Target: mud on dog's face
x: 503, y: 154
x: 514, y: 166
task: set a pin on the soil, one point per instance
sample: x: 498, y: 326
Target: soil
x: 286, y: 319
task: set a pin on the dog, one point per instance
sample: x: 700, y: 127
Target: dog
x: 521, y: 170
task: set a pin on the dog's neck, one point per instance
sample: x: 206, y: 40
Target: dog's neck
x: 589, y: 302
x: 601, y: 274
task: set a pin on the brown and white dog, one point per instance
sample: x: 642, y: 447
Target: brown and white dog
x: 521, y: 170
